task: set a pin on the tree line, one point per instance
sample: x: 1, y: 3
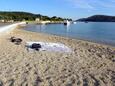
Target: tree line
x: 19, y: 16
x: 98, y: 18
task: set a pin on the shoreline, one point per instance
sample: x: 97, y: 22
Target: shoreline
x: 90, y: 64
x: 94, y: 40
x: 10, y: 27
x: 75, y: 39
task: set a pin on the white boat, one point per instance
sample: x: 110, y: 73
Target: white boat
x: 74, y: 22
x: 67, y: 22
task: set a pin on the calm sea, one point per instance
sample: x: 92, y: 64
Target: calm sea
x: 93, y: 31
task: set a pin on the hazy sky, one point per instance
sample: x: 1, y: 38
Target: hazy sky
x: 64, y: 8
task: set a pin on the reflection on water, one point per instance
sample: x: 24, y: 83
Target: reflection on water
x: 67, y: 28
x: 97, y: 32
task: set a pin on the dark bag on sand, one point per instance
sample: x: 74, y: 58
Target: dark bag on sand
x: 16, y: 40
x: 36, y: 46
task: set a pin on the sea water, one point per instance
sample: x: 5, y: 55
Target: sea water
x: 102, y: 32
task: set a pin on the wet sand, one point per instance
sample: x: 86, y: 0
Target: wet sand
x: 4, y: 24
x: 90, y: 64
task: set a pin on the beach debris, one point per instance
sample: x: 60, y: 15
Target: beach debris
x: 15, y: 40
x: 45, y: 46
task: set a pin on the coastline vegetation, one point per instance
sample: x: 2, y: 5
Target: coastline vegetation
x: 98, y: 18
x: 20, y: 16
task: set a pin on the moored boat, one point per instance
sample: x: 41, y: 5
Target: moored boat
x: 66, y: 22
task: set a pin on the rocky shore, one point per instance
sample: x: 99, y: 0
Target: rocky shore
x: 90, y: 64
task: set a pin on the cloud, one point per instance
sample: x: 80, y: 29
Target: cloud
x: 107, y: 4
x: 92, y: 4
x: 80, y: 4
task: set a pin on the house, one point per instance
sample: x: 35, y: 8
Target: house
x: 37, y: 19
x: 2, y: 21
x: 10, y: 21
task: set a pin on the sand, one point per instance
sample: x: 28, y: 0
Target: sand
x: 90, y: 64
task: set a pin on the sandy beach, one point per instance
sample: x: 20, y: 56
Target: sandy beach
x: 90, y: 64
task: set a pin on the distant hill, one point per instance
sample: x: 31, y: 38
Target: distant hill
x: 19, y: 16
x: 98, y: 18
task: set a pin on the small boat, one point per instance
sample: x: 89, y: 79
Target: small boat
x: 26, y: 22
x: 66, y: 22
x: 74, y: 22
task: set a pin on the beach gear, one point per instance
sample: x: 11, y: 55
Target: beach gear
x: 36, y: 46
x: 45, y: 46
x: 15, y: 40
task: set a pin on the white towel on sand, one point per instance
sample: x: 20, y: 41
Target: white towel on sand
x: 54, y: 47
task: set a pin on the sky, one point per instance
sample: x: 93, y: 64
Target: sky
x: 74, y: 9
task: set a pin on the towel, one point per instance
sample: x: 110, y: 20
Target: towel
x: 54, y: 47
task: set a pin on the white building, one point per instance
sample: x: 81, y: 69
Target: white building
x: 37, y: 19
x: 11, y: 21
x: 2, y: 20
